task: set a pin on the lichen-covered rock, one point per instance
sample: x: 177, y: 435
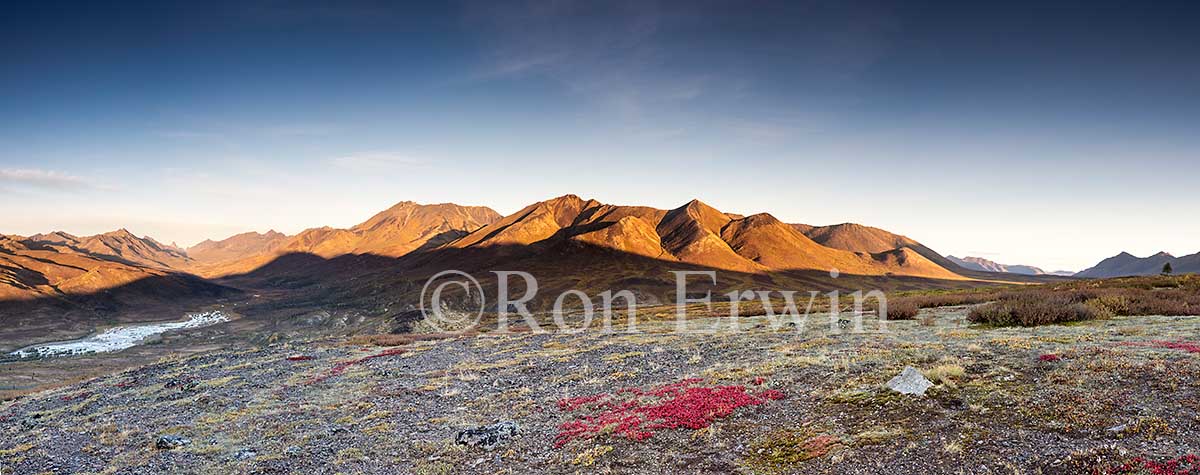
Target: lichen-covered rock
x: 168, y: 442
x: 487, y: 437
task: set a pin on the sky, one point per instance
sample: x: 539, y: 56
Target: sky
x: 1052, y: 134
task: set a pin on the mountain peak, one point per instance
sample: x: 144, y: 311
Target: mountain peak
x: 567, y: 198
x: 761, y: 219
x: 120, y: 233
x: 696, y: 204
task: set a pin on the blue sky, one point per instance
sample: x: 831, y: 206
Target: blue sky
x: 1037, y: 133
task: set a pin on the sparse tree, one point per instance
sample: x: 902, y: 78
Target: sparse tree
x: 1167, y: 269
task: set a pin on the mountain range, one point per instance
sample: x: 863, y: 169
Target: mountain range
x: 1126, y: 264
x: 573, y: 241
x: 58, y: 264
x: 981, y: 264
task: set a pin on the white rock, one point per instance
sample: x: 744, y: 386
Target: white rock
x: 910, y: 381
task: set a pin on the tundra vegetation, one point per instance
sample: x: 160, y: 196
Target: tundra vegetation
x: 1028, y: 391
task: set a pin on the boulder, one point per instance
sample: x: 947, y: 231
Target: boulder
x: 169, y: 442
x: 487, y: 437
x: 910, y: 381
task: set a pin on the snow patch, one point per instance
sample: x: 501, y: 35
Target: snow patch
x: 118, y: 338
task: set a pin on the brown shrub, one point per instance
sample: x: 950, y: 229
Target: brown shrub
x: 902, y: 309
x: 935, y: 300
x: 1088, y: 299
x: 1031, y: 311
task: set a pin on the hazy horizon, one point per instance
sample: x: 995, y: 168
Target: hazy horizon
x: 1026, y: 134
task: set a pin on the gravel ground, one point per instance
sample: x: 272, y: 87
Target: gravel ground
x: 1053, y: 399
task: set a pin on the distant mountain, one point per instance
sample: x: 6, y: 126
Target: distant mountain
x: 981, y: 264
x: 60, y: 266
x: 120, y: 244
x: 236, y: 247
x: 394, y: 232
x: 573, y: 242
x: 1126, y: 264
x: 694, y: 233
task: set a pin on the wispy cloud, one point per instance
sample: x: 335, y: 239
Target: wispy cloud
x: 374, y: 161
x: 602, y: 52
x: 647, y: 63
x: 46, y: 179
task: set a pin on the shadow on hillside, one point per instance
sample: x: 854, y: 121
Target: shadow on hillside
x: 373, y: 282
x: 157, y: 298
x: 294, y: 285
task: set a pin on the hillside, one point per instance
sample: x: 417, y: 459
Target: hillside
x: 870, y: 240
x: 394, y: 232
x: 236, y: 247
x: 52, y: 286
x: 120, y: 245
x: 59, y: 265
x: 694, y: 233
x: 760, y: 397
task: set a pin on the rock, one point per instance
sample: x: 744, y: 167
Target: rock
x: 182, y: 384
x: 245, y: 454
x: 910, y: 381
x: 487, y: 437
x: 169, y: 442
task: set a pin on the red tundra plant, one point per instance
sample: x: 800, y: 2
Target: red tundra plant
x: 1185, y: 465
x: 635, y: 413
x: 1049, y: 357
x: 1190, y: 347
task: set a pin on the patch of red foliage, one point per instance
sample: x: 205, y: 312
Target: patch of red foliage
x: 300, y: 358
x: 571, y: 404
x: 343, y: 366
x: 1188, y: 346
x: 635, y: 413
x: 129, y: 383
x: 772, y: 394
x: 1186, y: 465
x: 1049, y: 357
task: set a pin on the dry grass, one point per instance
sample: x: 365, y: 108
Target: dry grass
x: 946, y: 374
x: 402, y: 339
